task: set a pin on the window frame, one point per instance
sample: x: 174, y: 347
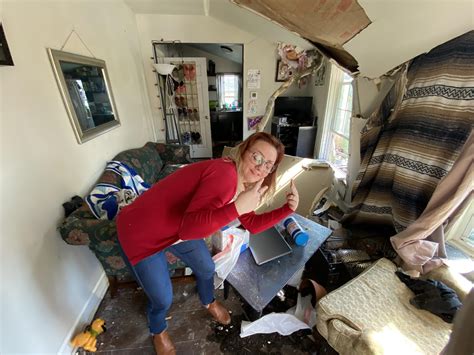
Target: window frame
x: 461, y: 230
x: 338, y: 79
x: 221, y: 90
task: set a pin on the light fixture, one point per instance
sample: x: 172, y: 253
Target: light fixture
x: 164, y: 69
x: 227, y: 49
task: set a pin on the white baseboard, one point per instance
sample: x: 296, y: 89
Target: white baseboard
x: 86, y: 314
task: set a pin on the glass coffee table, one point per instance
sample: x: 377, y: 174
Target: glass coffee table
x: 258, y: 285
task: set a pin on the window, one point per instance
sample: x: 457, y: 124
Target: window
x: 228, y: 88
x: 461, y: 232
x: 336, y: 128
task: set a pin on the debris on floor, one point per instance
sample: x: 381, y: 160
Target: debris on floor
x: 193, y: 331
x: 231, y: 343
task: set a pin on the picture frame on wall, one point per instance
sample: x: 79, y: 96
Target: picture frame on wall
x: 283, y: 71
x: 5, y: 56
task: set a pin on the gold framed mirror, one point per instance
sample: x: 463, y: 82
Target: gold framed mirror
x: 87, y: 94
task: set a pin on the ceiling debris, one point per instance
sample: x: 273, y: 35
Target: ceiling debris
x: 328, y: 24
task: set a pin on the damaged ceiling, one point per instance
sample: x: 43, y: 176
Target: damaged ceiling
x: 327, y: 24
x: 371, y: 36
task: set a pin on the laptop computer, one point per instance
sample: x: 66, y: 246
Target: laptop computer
x: 268, y: 245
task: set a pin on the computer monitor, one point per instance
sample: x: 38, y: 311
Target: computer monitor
x: 298, y: 109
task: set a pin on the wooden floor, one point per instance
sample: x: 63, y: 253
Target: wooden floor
x: 191, y: 328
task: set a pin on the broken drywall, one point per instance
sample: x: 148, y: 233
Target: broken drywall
x: 337, y: 22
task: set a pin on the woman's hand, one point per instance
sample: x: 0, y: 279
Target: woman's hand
x: 292, y: 196
x: 249, y: 200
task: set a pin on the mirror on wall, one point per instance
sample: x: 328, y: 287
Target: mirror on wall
x: 85, y: 88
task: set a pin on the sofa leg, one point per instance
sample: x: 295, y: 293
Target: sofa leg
x: 113, y: 283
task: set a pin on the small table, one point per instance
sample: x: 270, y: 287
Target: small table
x: 258, y: 285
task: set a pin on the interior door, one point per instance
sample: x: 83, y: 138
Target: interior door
x: 192, y: 104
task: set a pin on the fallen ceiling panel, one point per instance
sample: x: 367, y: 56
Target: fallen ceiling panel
x: 328, y: 24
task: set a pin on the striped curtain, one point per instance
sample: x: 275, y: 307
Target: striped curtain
x: 411, y: 142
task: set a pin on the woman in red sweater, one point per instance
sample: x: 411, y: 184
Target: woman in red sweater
x: 179, y: 211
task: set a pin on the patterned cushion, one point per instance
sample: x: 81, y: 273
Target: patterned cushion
x: 169, y: 169
x: 146, y: 161
x: 172, y: 154
x: 372, y: 314
x: 109, y: 177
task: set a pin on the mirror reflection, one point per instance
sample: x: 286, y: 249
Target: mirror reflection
x: 87, y: 89
x: 86, y: 93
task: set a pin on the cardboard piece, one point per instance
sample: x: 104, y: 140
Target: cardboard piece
x: 328, y: 24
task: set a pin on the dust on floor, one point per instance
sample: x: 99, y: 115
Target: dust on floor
x: 191, y: 328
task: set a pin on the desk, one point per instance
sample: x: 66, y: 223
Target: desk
x: 258, y: 285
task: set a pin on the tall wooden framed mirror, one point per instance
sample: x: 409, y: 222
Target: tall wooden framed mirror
x: 87, y: 94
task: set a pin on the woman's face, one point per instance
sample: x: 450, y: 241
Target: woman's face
x: 258, y: 161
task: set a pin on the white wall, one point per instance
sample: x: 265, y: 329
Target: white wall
x: 258, y: 53
x: 303, y: 90
x: 45, y: 282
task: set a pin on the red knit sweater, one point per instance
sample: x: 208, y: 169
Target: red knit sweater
x: 191, y: 203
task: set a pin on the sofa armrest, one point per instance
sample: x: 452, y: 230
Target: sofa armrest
x: 342, y: 337
x: 82, y: 228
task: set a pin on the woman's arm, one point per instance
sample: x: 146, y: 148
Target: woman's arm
x: 256, y: 223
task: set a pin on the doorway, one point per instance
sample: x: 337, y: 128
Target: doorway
x: 224, y: 68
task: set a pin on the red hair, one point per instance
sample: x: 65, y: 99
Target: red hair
x: 242, y: 148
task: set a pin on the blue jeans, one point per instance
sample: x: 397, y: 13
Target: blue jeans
x: 153, y: 276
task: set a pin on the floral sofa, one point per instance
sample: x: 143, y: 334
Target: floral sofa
x: 152, y: 162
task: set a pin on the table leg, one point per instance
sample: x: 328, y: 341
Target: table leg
x: 226, y: 289
x: 250, y: 313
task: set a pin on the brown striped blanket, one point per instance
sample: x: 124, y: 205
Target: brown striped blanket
x: 413, y: 139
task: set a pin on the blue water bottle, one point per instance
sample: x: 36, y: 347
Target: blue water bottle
x: 299, y: 236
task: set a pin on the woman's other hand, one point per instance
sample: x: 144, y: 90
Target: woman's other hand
x: 249, y: 200
x: 292, y: 197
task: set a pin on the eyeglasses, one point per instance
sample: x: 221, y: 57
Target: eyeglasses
x: 259, y: 160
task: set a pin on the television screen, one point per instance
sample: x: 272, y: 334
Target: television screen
x: 298, y: 109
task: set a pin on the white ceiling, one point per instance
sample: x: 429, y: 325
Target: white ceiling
x: 168, y: 7
x: 224, y: 11
x: 400, y: 29
x: 214, y: 48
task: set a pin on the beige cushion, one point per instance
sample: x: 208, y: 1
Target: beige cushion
x: 372, y: 314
